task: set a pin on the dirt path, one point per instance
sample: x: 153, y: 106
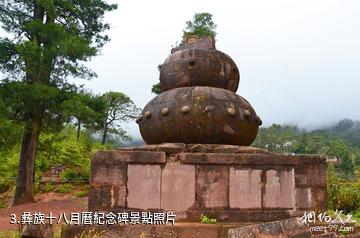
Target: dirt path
x: 55, y: 203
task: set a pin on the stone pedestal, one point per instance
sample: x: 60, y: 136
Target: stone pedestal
x: 230, y: 183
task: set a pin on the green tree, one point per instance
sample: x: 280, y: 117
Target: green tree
x: 82, y: 110
x: 117, y: 108
x: 10, y: 132
x: 156, y: 88
x: 47, y: 41
x: 202, y: 25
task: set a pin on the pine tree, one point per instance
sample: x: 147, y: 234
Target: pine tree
x: 45, y: 44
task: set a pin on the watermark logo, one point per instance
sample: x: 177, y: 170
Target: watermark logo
x: 323, y: 222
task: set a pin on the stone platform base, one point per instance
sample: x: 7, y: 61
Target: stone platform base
x: 229, y: 183
x: 288, y: 228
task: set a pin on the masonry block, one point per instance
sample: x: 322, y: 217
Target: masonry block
x: 279, y: 189
x: 143, y: 186
x: 245, y: 188
x: 303, y: 198
x: 212, y: 186
x: 178, y: 187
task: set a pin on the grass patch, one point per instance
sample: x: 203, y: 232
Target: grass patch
x: 64, y: 188
x: 81, y: 194
x: 207, y: 220
x: 48, y: 187
x: 10, y: 234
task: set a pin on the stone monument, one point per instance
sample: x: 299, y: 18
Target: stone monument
x: 198, y: 159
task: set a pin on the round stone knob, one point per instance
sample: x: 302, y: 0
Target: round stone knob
x: 247, y: 113
x: 147, y: 114
x: 231, y: 111
x: 185, y: 109
x: 165, y: 111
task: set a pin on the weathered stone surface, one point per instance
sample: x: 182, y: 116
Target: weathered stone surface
x: 103, y: 155
x: 226, y: 148
x: 319, y: 198
x: 204, y: 43
x: 243, y: 232
x: 287, y: 188
x: 212, y: 186
x: 199, y: 67
x: 143, y: 186
x: 197, y: 231
x: 106, y: 197
x: 317, y: 175
x: 310, y: 175
x: 139, y: 156
x: 99, y: 172
x: 293, y: 228
x: 239, y: 215
x: 270, y: 228
x: 107, y: 185
x: 245, y: 188
x: 304, y: 234
x: 288, y: 228
x: 301, y: 180
x: 38, y: 231
x: 172, y: 148
x: 232, y: 158
x: 178, y: 187
x: 180, y: 230
x: 109, y: 173
x: 310, y: 172
x: 188, y: 122
x: 195, y: 148
x: 291, y: 225
x: 303, y: 198
x: 333, y: 235
x: 279, y: 189
x: 168, y: 148
x: 238, y: 149
x: 100, y: 198
x: 272, y: 190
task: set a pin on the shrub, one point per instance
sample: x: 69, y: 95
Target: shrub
x: 48, y: 187
x: 76, y: 175
x: 64, y: 188
x: 343, y: 194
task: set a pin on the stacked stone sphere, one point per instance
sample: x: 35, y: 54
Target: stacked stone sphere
x: 198, y: 103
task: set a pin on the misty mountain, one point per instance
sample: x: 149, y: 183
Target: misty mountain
x: 347, y: 129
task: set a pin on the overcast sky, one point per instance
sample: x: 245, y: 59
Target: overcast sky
x: 298, y: 60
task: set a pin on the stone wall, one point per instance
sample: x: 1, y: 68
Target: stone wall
x: 231, y: 183
x: 310, y: 181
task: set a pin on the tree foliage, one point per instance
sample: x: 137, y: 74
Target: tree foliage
x: 47, y: 42
x: 156, y: 88
x: 202, y: 25
x: 117, y: 108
